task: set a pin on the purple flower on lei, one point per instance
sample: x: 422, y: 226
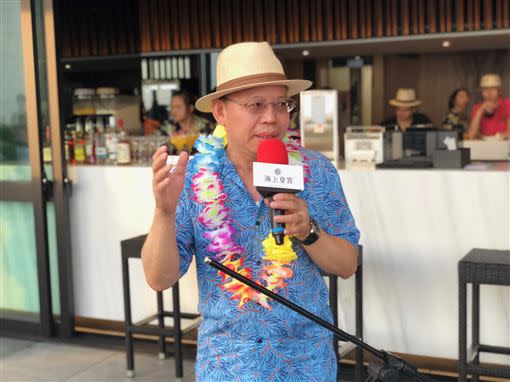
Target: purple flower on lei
x: 220, y: 238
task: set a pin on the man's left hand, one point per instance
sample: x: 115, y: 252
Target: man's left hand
x: 296, y: 218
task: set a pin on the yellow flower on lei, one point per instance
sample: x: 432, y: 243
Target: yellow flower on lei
x: 282, y: 254
x: 221, y: 133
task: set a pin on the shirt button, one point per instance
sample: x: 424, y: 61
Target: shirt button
x: 259, y: 340
x: 257, y: 222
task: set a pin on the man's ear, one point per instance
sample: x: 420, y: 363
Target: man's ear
x: 218, y: 111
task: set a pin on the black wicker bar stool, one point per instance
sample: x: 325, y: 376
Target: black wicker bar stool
x: 131, y: 248
x: 479, y: 266
x: 345, y: 349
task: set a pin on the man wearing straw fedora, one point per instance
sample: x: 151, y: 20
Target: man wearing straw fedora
x: 405, y: 104
x: 209, y: 207
x: 491, y: 117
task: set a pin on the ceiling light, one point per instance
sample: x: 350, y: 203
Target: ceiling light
x: 445, y: 44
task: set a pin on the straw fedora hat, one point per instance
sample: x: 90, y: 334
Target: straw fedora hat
x: 247, y: 65
x: 490, y: 80
x: 405, y: 98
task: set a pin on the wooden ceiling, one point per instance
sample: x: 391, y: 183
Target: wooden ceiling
x: 116, y: 27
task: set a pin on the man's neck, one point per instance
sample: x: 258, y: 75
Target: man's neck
x: 242, y: 161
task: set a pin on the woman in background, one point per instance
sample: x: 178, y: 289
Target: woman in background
x: 457, y: 118
x: 185, y: 126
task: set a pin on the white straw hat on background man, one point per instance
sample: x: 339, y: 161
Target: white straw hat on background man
x: 490, y: 80
x: 247, y: 65
x: 405, y: 98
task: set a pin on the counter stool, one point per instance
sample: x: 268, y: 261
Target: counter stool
x: 479, y: 266
x: 333, y: 303
x: 131, y: 248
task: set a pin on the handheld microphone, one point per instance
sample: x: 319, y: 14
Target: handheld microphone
x: 272, y: 174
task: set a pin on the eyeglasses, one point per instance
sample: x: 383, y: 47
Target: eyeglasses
x: 280, y: 105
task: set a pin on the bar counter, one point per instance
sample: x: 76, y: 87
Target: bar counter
x: 415, y: 226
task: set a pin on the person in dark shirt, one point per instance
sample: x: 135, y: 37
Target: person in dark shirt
x: 405, y: 104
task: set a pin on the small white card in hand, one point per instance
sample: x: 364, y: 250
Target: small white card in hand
x: 172, y: 159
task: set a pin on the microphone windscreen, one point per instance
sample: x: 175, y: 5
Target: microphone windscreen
x: 272, y: 151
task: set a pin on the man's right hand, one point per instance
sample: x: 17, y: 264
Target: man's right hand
x: 167, y: 181
x: 489, y: 106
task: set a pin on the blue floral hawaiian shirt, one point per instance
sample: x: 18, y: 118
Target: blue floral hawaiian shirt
x: 254, y: 343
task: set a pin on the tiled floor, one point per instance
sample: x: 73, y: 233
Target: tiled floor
x: 27, y: 361
x: 98, y: 359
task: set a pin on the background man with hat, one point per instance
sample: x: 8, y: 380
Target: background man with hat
x: 405, y: 104
x: 491, y: 117
x: 210, y: 207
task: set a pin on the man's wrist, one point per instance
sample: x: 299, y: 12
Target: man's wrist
x: 313, y: 234
x: 164, y: 215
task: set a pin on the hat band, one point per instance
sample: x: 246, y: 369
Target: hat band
x: 404, y: 101
x: 251, y: 80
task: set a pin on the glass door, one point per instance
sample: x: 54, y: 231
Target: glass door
x: 30, y: 269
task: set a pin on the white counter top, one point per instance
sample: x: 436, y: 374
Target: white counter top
x: 415, y: 226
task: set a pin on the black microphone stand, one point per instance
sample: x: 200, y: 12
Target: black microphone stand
x: 388, y: 368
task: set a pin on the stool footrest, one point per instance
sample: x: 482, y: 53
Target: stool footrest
x: 494, y: 349
x: 146, y: 320
x: 499, y: 372
x: 167, y: 332
x: 155, y: 316
x: 189, y: 316
x: 475, y: 350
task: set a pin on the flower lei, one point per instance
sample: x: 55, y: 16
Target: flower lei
x: 207, y: 189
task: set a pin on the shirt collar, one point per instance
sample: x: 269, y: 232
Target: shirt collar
x: 229, y: 172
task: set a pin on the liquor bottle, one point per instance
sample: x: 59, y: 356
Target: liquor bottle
x: 79, y: 142
x: 101, y: 149
x: 90, y: 149
x: 154, y: 111
x: 69, y: 143
x: 111, y: 141
x: 123, y: 148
